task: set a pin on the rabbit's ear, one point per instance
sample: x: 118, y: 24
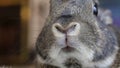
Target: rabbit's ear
x: 105, y: 16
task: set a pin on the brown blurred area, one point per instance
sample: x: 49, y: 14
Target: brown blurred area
x: 15, y: 48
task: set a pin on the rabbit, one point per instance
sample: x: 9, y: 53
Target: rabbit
x: 75, y: 36
x: 105, y: 15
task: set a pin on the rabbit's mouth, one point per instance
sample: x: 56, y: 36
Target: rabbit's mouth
x: 68, y: 49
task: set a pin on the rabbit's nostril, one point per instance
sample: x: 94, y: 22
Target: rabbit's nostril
x: 74, y: 25
x: 73, y: 29
x: 57, y: 27
x: 60, y: 29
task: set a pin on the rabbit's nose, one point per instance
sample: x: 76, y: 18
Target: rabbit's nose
x: 72, y: 29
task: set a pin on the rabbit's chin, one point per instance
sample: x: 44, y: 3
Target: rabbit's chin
x: 59, y: 55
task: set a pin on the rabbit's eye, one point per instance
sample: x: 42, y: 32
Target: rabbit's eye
x: 95, y: 9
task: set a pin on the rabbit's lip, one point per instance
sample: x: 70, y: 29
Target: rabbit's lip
x: 68, y: 49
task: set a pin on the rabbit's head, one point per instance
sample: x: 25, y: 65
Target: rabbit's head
x: 73, y: 29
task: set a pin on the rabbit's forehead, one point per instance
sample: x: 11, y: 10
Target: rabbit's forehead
x: 82, y: 9
x: 77, y: 6
x: 77, y: 2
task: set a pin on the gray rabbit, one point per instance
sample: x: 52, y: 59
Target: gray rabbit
x: 74, y: 36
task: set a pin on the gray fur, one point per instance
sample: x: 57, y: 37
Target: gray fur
x: 94, y: 34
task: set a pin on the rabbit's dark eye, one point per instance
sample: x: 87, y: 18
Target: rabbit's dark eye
x: 95, y: 9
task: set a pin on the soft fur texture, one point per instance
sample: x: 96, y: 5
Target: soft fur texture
x: 73, y: 37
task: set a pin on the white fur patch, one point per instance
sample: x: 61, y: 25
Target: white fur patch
x: 57, y: 57
x: 108, y: 61
x: 83, y: 54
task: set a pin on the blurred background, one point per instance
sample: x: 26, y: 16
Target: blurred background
x: 14, y: 15
x: 20, y: 25
x: 114, y: 6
